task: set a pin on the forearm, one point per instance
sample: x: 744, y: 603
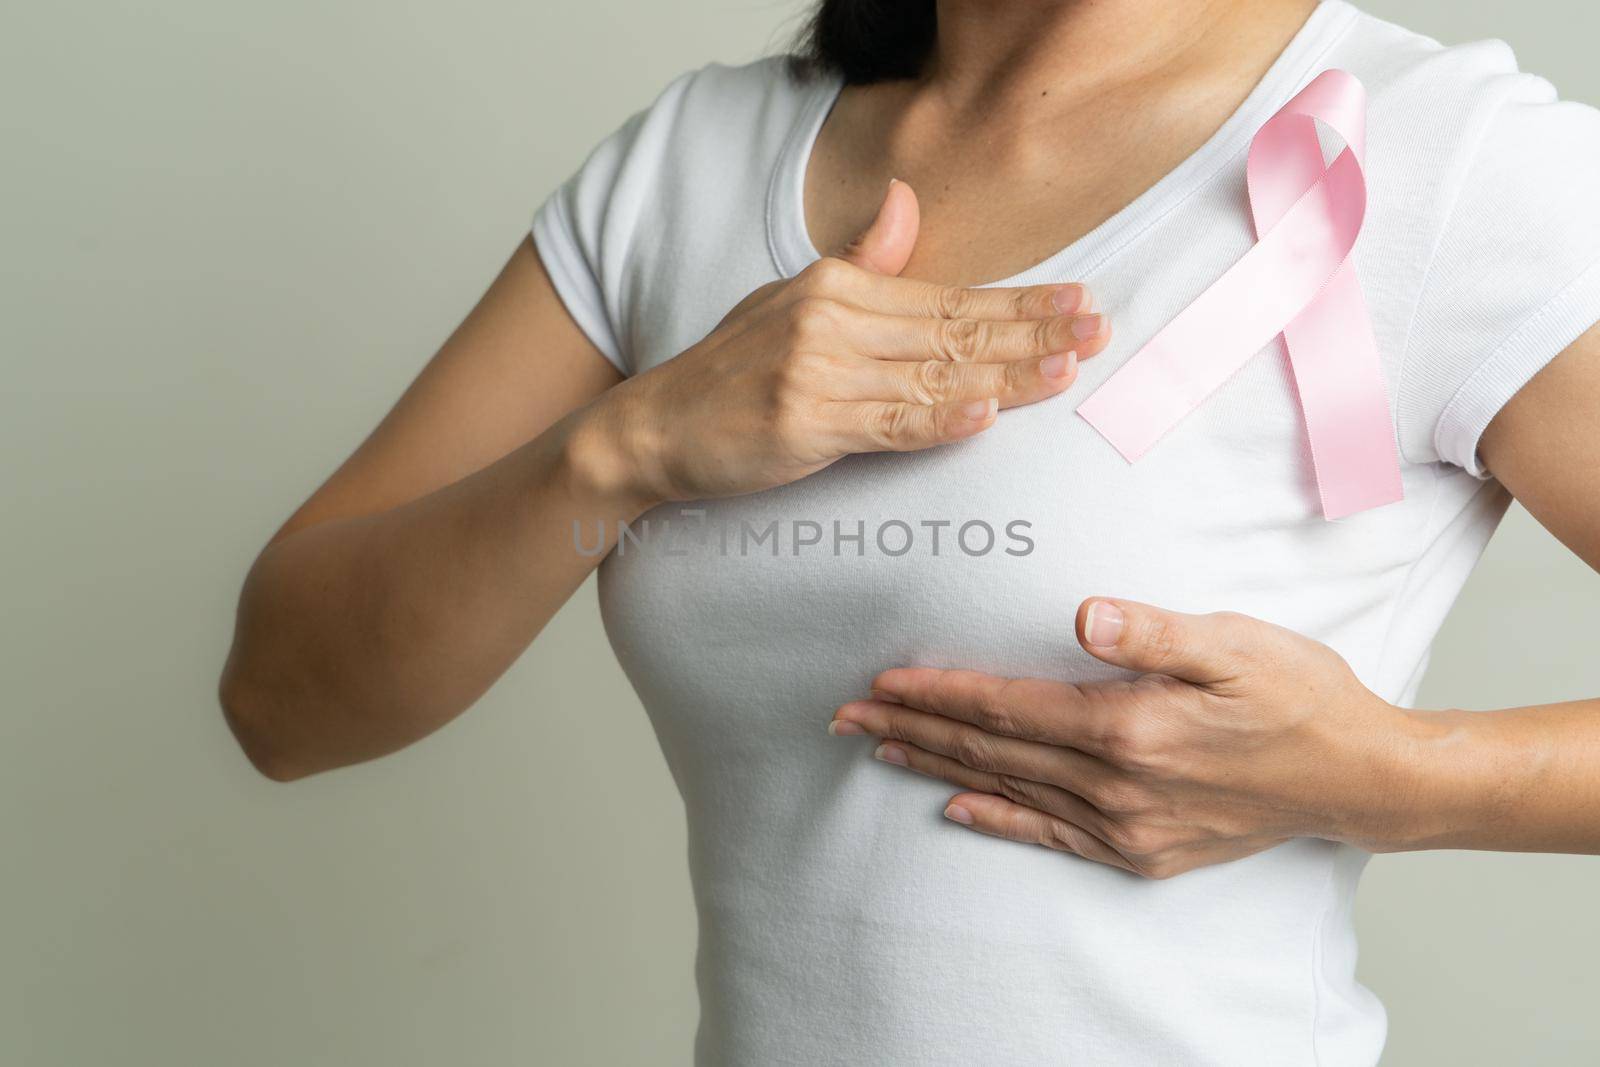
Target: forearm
x: 1523, y: 780
x: 356, y: 637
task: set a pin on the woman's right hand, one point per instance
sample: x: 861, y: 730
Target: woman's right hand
x: 844, y: 358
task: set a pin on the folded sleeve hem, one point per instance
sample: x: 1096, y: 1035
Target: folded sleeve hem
x: 572, y: 278
x: 1522, y: 355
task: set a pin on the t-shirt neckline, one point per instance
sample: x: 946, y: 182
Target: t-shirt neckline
x: 790, y: 241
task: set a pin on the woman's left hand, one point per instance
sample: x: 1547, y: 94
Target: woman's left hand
x: 1236, y: 735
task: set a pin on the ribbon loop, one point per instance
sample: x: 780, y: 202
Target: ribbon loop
x: 1298, y: 281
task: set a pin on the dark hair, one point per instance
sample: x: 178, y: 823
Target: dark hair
x: 866, y: 41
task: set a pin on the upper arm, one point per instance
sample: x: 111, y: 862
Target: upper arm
x: 1544, y: 446
x: 545, y: 339
x: 516, y: 365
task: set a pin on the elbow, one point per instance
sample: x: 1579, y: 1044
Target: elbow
x: 253, y: 725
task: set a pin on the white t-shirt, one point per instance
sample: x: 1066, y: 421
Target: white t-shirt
x: 842, y: 919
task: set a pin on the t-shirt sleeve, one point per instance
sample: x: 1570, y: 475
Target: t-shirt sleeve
x: 1515, y: 273
x: 584, y: 231
x: 576, y: 242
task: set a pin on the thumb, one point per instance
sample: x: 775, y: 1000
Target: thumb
x: 885, y: 246
x: 1196, y: 648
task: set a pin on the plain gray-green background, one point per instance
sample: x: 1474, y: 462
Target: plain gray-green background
x: 229, y: 235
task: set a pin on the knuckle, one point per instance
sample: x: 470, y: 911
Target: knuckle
x: 992, y: 714
x: 813, y: 317
x: 1244, y: 641
x: 1139, y: 746
x: 932, y: 381
x: 998, y: 707
x: 971, y: 748
x: 958, y: 340
x: 1230, y: 624
x: 948, y: 302
x: 1117, y: 797
x: 889, y: 425
x: 1022, y: 301
x: 1014, y: 789
x: 1122, y: 741
x: 895, y: 729
x: 1134, y: 839
x: 826, y: 275
x: 1061, y: 837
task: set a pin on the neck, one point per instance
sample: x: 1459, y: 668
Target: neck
x: 999, y: 53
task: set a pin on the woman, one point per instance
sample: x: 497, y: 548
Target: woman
x: 863, y: 492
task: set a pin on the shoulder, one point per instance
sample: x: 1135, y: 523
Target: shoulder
x: 760, y: 80
x: 1483, y: 234
x: 1461, y: 143
x: 718, y: 126
x: 1403, y: 62
x: 718, y: 102
x: 1435, y: 104
x: 709, y: 134
x: 673, y: 202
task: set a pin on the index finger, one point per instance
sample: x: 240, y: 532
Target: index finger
x: 893, y: 295
x: 1034, y: 709
x: 906, y: 296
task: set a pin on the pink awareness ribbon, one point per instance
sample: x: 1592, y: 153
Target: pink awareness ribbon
x: 1297, y: 280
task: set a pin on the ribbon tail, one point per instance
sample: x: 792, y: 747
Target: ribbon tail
x: 1339, y: 378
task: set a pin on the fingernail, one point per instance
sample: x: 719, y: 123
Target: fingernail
x: 1104, y: 624
x: 890, y: 754
x: 1070, y: 299
x: 1087, y: 326
x: 845, y: 728
x: 978, y: 410
x: 1059, y: 365
x: 885, y: 698
x: 956, y: 813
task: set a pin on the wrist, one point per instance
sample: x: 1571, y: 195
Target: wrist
x: 600, y: 457
x: 1439, y: 782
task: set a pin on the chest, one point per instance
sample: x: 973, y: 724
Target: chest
x: 1222, y: 513
x: 977, y: 556
x: 995, y: 202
